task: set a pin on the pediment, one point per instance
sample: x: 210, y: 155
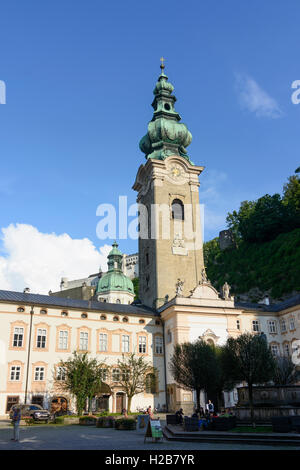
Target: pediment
x: 204, y: 291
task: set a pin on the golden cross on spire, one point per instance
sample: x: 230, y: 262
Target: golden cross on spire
x: 162, y: 63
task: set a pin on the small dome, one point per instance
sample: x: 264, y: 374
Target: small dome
x: 115, y: 281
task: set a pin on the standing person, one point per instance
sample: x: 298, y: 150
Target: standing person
x: 16, y: 422
x: 210, y: 407
x: 149, y: 412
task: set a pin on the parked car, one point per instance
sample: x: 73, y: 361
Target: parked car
x: 32, y: 411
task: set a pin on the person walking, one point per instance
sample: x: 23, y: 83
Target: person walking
x: 16, y: 422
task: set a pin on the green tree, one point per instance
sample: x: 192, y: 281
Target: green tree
x: 248, y: 358
x: 135, y: 283
x: 82, y: 378
x: 238, y: 221
x: 194, y: 366
x: 291, y: 200
x: 133, y: 375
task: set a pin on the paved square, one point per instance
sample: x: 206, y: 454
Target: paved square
x: 75, y: 437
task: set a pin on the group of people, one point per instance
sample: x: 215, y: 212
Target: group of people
x: 206, y: 415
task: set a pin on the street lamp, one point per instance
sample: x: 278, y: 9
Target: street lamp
x: 28, y: 356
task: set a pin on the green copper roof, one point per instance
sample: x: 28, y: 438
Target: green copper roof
x: 166, y: 135
x: 114, y: 279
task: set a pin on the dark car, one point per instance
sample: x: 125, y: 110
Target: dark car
x: 31, y: 411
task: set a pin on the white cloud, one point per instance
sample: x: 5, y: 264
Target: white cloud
x: 253, y: 98
x: 38, y: 260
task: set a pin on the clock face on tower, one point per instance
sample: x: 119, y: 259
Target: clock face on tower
x: 176, y: 173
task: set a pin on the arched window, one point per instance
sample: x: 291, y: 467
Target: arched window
x: 177, y: 209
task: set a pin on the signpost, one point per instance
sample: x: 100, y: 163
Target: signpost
x: 154, y: 430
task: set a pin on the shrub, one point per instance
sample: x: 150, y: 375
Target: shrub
x: 103, y: 413
x: 105, y: 422
x: 125, y: 424
x: 59, y: 420
x: 88, y: 420
x: 29, y: 421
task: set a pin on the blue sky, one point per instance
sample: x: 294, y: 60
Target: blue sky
x: 79, y: 78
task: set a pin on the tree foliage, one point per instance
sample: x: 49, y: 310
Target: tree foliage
x: 133, y: 372
x: 271, y: 267
x: 248, y: 358
x: 285, y: 372
x: 194, y: 366
x: 82, y: 378
x: 264, y: 219
x: 135, y: 283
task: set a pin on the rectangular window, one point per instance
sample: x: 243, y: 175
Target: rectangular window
x: 142, y: 344
x: 84, y: 340
x: 158, y: 345
x: 41, y: 338
x: 125, y: 343
x: 63, y: 339
x: 18, y: 337
x: 292, y: 324
x: 238, y: 326
x: 15, y: 373
x: 255, y: 325
x: 272, y: 326
x: 104, y: 375
x: 115, y: 375
x: 103, y: 342
x: 286, y: 349
x: 61, y: 373
x: 274, y: 349
x: 11, y: 400
x: 283, y: 326
x: 39, y: 373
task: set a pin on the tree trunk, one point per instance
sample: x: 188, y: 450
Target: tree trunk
x: 198, y: 398
x: 250, y: 389
x: 129, y: 405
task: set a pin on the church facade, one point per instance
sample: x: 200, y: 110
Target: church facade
x: 177, y: 302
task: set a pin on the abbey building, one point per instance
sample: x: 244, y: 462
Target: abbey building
x: 176, y: 301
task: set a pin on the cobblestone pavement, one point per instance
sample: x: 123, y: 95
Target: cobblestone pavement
x: 91, y: 438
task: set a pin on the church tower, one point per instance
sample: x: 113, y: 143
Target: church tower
x: 170, y: 235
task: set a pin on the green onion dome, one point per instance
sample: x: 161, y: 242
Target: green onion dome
x: 115, y: 279
x: 166, y: 135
